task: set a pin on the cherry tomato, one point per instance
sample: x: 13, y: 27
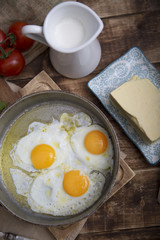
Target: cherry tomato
x: 11, y: 62
x: 2, y: 38
x: 22, y: 42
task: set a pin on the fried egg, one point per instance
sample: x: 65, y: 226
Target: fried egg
x: 93, y: 146
x: 59, y: 193
x: 44, y: 147
x: 54, y: 164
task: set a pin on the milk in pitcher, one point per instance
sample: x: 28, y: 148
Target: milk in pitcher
x: 69, y: 33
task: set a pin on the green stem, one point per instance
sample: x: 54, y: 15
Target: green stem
x: 5, y: 54
x: 2, y: 51
x: 11, y: 37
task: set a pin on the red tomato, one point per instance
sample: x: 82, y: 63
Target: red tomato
x: 13, y: 64
x: 22, y: 42
x: 2, y: 38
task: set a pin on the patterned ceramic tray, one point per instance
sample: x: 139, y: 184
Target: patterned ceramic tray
x: 131, y: 63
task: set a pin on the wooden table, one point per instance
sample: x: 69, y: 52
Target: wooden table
x: 133, y: 212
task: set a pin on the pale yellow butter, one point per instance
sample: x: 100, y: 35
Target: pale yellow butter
x: 139, y: 101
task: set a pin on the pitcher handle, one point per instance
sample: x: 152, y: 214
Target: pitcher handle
x: 34, y: 32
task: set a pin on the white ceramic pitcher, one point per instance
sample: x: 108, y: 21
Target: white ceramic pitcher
x: 70, y: 29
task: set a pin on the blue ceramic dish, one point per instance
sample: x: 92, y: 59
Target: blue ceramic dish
x: 133, y: 62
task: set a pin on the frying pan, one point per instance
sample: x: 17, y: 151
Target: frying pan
x: 43, y: 107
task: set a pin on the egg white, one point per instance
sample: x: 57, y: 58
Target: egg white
x: 21, y: 181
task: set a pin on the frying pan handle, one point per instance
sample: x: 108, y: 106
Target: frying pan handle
x: 6, y: 93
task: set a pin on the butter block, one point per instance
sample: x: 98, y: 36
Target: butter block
x: 139, y: 101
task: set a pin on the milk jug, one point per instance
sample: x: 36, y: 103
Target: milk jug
x: 70, y: 29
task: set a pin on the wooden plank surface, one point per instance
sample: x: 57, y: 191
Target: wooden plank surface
x: 133, y: 212
x: 113, y: 8
x: 128, y: 234
x: 130, y: 207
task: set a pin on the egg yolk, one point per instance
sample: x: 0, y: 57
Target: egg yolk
x: 95, y: 142
x: 75, y: 184
x: 42, y: 156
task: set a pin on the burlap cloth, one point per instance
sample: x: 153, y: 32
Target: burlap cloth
x: 30, y: 11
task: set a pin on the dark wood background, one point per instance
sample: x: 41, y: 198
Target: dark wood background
x: 133, y: 212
